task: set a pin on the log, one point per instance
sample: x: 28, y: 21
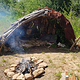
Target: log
x: 38, y: 72
x: 74, y: 43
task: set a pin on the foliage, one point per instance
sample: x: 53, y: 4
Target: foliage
x: 19, y: 8
x: 71, y: 16
x: 10, y: 10
x: 76, y: 6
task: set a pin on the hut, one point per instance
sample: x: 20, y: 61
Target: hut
x: 42, y: 24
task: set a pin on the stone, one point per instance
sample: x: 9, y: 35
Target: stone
x: 10, y: 74
x: 21, y: 77
x: 38, y: 72
x: 6, y: 71
x: 28, y: 76
x: 12, y: 69
x: 15, y: 76
x: 42, y: 65
x: 39, y: 61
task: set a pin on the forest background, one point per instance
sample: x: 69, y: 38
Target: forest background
x: 11, y: 10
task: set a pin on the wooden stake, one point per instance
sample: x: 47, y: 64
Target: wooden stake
x: 74, y: 43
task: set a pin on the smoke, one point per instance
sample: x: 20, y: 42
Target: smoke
x: 5, y: 18
x: 18, y: 0
x: 14, y: 41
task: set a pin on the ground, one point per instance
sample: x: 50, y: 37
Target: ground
x: 58, y: 60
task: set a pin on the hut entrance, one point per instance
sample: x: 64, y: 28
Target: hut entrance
x: 42, y: 29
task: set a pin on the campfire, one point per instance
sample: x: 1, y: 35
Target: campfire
x: 27, y: 69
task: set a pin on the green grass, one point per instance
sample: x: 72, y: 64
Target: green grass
x: 74, y: 57
x: 75, y: 21
x: 1, y: 64
x: 58, y: 75
x: 50, y: 61
x: 52, y: 66
x: 3, y: 60
x: 78, y: 65
x: 48, y: 56
x: 43, y: 52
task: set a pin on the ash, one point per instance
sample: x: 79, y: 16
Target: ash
x: 26, y: 66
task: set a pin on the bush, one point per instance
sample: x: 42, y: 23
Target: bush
x: 75, y: 21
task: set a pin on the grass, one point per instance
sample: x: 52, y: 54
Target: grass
x: 43, y: 52
x: 58, y: 65
x: 50, y: 61
x: 78, y: 77
x: 52, y: 66
x: 3, y: 60
x: 78, y: 70
x: 78, y: 65
x: 64, y: 62
x: 48, y: 56
x: 1, y: 64
x: 74, y: 57
x: 58, y: 75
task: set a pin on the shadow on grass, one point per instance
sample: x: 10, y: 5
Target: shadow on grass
x: 39, y: 50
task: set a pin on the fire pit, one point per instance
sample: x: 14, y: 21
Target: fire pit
x: 27, y: 69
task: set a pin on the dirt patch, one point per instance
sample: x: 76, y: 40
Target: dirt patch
x: 58, y: 60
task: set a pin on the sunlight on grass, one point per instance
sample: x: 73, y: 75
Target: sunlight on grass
x: 3, y: 60
x: 58, y: 75
x: 50, y: 61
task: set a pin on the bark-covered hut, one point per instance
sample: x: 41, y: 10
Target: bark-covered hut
x: 43, y: 24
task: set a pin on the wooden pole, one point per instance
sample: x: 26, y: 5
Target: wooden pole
x: 74, y: 43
